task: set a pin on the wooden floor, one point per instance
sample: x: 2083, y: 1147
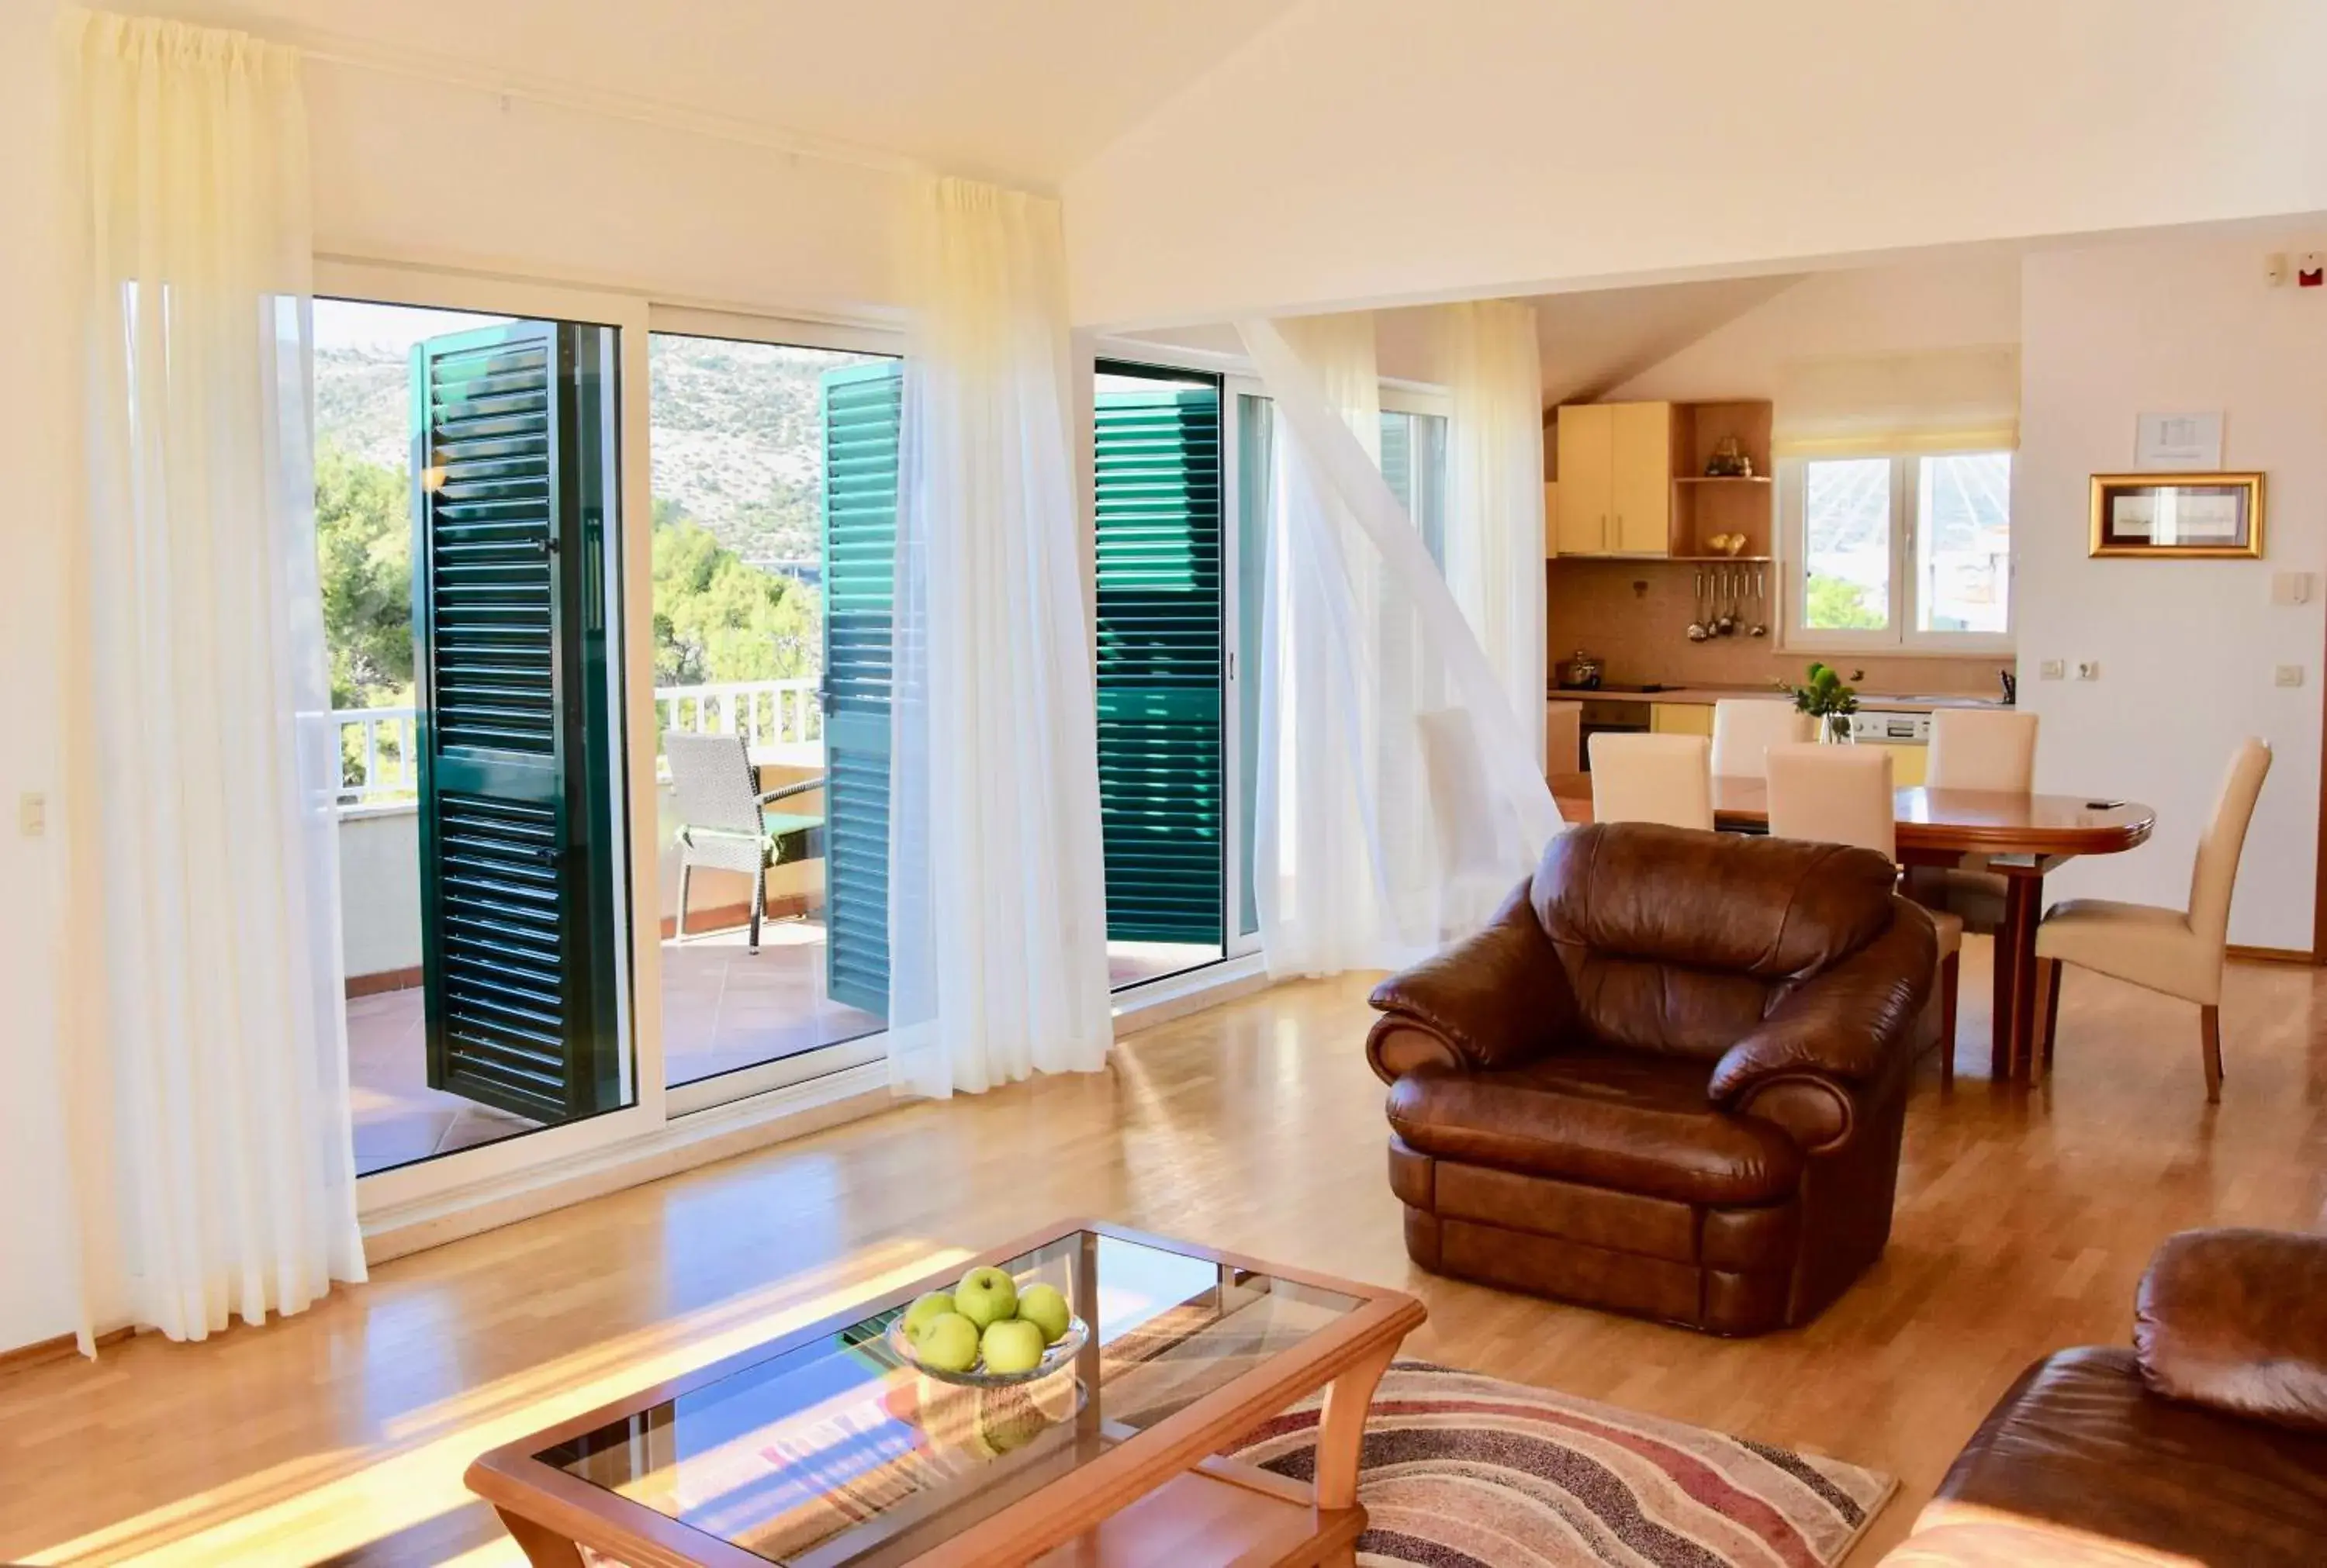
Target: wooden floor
x: 341, y: 1436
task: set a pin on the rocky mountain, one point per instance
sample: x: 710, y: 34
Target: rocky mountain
x: 735, y: 442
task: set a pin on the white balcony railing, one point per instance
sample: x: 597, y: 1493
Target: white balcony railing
x: 378, y: 755
x: 765, y: 712
x: 379, y: 761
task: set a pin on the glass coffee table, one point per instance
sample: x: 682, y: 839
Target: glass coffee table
x: 824, y: 1450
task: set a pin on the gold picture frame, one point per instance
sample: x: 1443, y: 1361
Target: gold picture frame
x: 2177, y: 515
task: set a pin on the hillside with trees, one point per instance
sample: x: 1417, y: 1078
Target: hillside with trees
x: 736, y: 470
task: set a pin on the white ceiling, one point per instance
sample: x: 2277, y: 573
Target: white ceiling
x: 1018, y: 90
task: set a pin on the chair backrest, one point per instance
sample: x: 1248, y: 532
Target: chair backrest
x: 1745, y: 728
x: 1461, y: 810
x: 1992, y: 749
x: 2216, y: 868
x: 711, y: 775
x: 1652, y: 778
x: 1681, y: 942
x: 1834, y: 795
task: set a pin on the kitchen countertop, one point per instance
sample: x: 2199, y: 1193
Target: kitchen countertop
x: 1701, y: 695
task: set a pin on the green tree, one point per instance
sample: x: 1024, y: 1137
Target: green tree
x: 363, y: 552
x: 718, y: 618
x: 1839, y: 604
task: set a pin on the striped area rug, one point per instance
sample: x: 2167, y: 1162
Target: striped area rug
x: 1466, y: 1471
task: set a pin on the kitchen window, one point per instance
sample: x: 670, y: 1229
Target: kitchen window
x: 1910, y: 551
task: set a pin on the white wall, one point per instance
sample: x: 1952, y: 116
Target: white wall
x: 1360, y: 151
x: 2186, y: 649
x: 35, y: 1254
x: 1955, y: 302
x: 403, y: 171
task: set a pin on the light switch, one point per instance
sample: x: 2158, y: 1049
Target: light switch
x: 31, y: 813
x: 2050, y: 669
x: 2290, y: 587
x: 2089, y: 670
x: 2289, y: 674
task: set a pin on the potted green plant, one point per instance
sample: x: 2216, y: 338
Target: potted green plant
x: 1829, y: 699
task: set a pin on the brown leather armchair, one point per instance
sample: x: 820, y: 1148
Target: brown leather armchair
x: 1667, y: 1078
x: 2206, y: 1442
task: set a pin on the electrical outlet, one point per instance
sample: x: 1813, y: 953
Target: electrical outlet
x: 2273, y: 268
x: 2089, y: 670
x: 2290, y: 587
x: 31, y: 813
x: 2050, y: 669
x: 2288, y: 675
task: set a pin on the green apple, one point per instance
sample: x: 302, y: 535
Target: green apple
x: 986, y: 1296
x: 935, y: 1304
x: 1046, y: 1309
x: 1012, y: 1345
x: 948, y: 1343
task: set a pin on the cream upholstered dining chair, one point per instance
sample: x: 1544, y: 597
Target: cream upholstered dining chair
x: 1843, y: 794
x: 1651, y: 779
x: 1743, y: 728
x: 1993, y: 750
x: 2178, y: 952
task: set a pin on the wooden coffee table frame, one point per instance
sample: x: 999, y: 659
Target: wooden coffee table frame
x: 1159, y: 1495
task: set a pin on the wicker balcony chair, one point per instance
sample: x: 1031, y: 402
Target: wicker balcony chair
x: 724, y: 821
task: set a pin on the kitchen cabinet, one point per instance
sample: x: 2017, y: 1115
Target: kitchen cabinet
x: 1680, y: 718
x: 1640, y: 479
x: 1586, y: 478
x: 1615, y: 479
x: 1907, y: 762
x: 1551, y: 545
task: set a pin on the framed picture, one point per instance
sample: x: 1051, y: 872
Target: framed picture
x: 2177, y: 515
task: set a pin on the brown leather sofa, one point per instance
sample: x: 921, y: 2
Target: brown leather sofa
x: 2206, y: 1442
x: 1668, y: 1078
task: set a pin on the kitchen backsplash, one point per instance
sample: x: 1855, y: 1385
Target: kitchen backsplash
x: 1641, y: 636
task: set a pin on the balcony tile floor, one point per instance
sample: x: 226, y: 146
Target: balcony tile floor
x: 723, y: 1008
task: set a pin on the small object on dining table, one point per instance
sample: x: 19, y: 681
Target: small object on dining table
x: 1826, y: 698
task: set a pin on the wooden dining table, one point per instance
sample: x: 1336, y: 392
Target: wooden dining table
x: 2022, y: 837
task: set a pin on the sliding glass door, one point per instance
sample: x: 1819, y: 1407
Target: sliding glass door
x: 467, y: 512
x: 775, y: 526
x: 1160, y: 533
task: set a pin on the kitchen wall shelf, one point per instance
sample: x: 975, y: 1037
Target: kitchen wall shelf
x: 1630, y: 481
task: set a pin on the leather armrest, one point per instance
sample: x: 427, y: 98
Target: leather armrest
x: 1845, y: 1023
x: 1496, y: 999
x: 2237, y: 1321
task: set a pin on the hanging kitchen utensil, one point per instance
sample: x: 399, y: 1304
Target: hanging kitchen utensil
x: 1724, y: 622
x: 1697, y: 632
x: 1760, y: 626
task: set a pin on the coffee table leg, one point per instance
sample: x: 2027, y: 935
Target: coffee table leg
x: 542, y: 1547
x: 1341, y: 1429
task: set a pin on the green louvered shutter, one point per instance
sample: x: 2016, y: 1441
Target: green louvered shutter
x: 519, y: 923
x: 862, y: 404
x: 1157, y: 489
x: 1397, y: 457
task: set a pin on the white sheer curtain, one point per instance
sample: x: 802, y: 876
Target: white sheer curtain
x: 997, y: 882
x: 1494, y: 495
x: 208, y: 1055
x: 1397, y: 794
